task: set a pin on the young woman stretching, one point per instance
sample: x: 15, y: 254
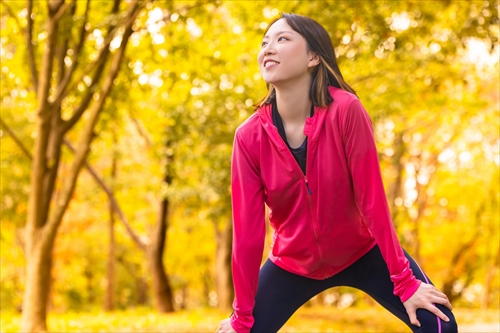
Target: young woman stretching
x: 309, y: 154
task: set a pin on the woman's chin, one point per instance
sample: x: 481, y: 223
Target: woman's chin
x: 271, y: 80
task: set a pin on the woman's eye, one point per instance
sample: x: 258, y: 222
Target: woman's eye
x: 264, y: 44
x: 282, y: 38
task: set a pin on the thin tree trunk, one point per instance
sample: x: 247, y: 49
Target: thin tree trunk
x: 109, y: 304
x: 162, y: 292
x: 398, y: 162
x: 489, y: 280
x: 110, y: 274
x: 224, y: 279
x: 142, y: 290
x: 89, y: 277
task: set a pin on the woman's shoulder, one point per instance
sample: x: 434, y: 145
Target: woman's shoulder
x: 345, y: 105
x: 341, y: 96
x: 250, y: 125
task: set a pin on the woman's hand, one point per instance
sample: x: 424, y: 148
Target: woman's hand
x: 424, y: 298
x: 225, y: 326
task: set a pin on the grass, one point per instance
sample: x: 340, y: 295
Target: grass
x: 307, y: 319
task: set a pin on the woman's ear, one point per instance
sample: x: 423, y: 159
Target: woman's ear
x: 313, y: 60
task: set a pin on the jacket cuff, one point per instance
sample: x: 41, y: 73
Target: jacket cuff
x: 405, y: 284
x: 410, y: 291
x: 241, y: 323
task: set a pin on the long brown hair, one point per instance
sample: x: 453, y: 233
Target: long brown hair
x: 326, y: 73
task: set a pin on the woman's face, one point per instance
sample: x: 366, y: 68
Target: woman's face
x: 283, y: 57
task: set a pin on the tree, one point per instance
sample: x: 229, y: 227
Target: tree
x: 53, y: 81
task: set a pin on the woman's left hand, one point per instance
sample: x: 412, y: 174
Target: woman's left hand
x: 424, y: 298
x: 225, y: 327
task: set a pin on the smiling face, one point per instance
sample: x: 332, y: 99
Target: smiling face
x: 284, y: 57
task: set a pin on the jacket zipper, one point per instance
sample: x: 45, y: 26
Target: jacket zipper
x: 316, y: 237
x: 309, y: 192
x: 307, y: 185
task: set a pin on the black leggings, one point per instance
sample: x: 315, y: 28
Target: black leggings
x: 281, y: 293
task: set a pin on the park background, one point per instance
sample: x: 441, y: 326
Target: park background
x: 117, y: 121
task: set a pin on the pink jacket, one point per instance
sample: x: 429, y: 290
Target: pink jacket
x: 324, y: 221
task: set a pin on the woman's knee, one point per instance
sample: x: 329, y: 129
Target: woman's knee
x: 449, y: 327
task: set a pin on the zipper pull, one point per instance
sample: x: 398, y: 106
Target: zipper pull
x: 307, y: 185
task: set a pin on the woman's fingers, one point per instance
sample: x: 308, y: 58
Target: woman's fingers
x: 441, y: 298
x: 437, y: 312
x: 225, y: 326
x: 443, y: 301
x: 413, y: 317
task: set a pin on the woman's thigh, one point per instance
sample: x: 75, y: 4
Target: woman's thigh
x: 379, y: 286
x: 279, y: 295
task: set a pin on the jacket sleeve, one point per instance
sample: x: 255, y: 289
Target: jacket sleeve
x: 247, y: 197
x: 363, y: 163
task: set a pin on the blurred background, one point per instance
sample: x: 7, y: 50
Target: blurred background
x: 117, y: 121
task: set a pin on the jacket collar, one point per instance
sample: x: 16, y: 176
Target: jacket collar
x: 312, y: 127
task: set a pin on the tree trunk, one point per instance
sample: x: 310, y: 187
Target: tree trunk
x: 89, y: 277
x: 39, y: 242
x: 46, y: 208
x: 319, y: 300
x: 109, y: 304
x: 489, y: 281
x: 142, y: 290
x: 110, y: 274
x: 398, y: 162
x: 162, y: 293
x: 38, y: 265
x: 224, y: 279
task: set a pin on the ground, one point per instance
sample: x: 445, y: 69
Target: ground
x: 307, y: 319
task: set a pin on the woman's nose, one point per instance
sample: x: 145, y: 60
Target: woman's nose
x: 269, y: 50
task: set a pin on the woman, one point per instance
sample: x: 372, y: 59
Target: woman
x: 309, y: 154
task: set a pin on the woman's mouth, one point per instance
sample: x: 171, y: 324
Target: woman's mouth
x: 270, y: 63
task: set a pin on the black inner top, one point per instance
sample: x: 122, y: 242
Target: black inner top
x: 299, y: 153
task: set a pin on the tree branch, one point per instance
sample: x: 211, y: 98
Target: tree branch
x: 165, y: 18
x: 100, y: 62
x: 77, y: 114
x: 54, y: 6
x: 16, y: 139
x: 29, y: 46
x: 140, y: 129
x: 137, y: 239
x: 63, y: 84
x: 13, y: 15
x: 61, y: 9
x: 63, y: 49
x: 107, y: 41
x: 141, y: 241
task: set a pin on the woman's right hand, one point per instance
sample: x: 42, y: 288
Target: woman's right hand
x: 225, y: 326
x: 424, y: 298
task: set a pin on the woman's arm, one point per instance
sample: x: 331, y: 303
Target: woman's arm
x: 248, y: 233
x: 362, y: 158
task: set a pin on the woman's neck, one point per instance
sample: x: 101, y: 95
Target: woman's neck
x: 294, y: 104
